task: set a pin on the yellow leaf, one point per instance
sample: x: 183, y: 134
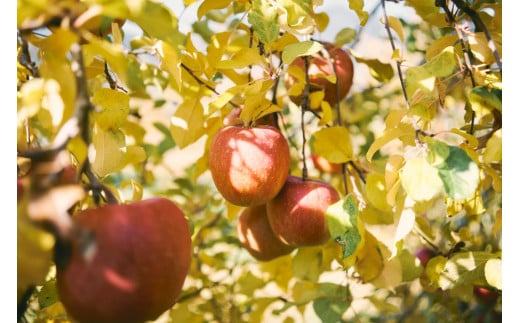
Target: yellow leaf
x: 370, y: 262
x: 187, y: 123
x: 391, y: 275
x: 304, y: 48
x: 404, y: 130
x: 326, y: 113
x: 493, y: 152
x: 109, y: 151
x: 376, y: 191
x: 134, y: 155
x: 333, y: 144
x: 111, y: 53
x: 493, y: 272
x: 472, y: 140
x: 171, y: 63
x: 135, y: 188
x: 243, y: 58
x: 420, y: 179
x: 115, y: 106
x: 209, y: 5
x: 30, y: 99
x: 438, y: 45
x: 396, y: 25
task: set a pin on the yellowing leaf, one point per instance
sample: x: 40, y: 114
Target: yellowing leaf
x: 306, y: 264
x: 171, y: 62
x: 111, y: 53
x: 391, y: 275
x: 383, y: 72
x: 156, y: 20
x: 346, y: 228
x: 420, y: 179
x: 326, y: 113
x: 264, y: 19
x: 439, y: 44
x: 471, y: 139
x: 187, y: 123
x: 296, y: 16
x: 114, y: 108
x: 403, y: 130
x: 293, y: 50
x: 345, y: 36
x: 333, y: 144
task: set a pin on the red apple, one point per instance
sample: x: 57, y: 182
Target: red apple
x: 325, y: 166
x: 137, y: 270
x: 249, y: 165
x: 424, y: 254
x: 320, y: 66
x: 297, y: 213
x: 256, y: 236
x: 485, y: 296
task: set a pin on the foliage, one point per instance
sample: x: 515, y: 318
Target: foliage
x: 420, y: 141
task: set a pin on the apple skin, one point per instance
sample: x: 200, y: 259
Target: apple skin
x: 297, y: 213
x: 142, y: 257
x: 325, y: 166
x: 256, y: 236
x: 318, y: 64
x: 424, y: 255
x: 249, y: 165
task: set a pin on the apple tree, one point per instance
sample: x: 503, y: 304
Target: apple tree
x: 118, y: 102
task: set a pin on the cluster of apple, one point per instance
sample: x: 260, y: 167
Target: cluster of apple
x: 250, y: 167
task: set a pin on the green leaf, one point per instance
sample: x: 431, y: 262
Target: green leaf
x: 333, y: 144
x: 484, y: 100
x: 48, y: 294
x: 457, y: 171
x: 264, y: 19
x: 345, y: 226
x: 303, y: 48
x: 345, y: 36
x: 330, y: 310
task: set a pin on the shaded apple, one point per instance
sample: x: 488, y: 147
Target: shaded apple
x: 249, y: 165
x: 256, y: 236
x: 485, y: 296
x: 140, y: 259
x: 424, y: 254
x: 320, y: 66
x: 297, y: 213
x: 325, y: 166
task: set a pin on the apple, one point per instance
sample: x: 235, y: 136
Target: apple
x: 321, y: 66
x: 325, y: 166
x: 137, y: 266
x: 424, y: 254
x: 485, y: 296
x: 256, y: 236
x: 297, y: 213
x: 249, y: 165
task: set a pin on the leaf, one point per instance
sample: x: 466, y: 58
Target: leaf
x: 493, y: 152
x: 383, y: 72
x: 458, y: 172
x: 330, y: 309
x: 264, y: 19
x: 171, y: 63
x: 370, y: 262
x: 484, y: 100
x: 410, y: 269
x: 376, y: 191
x: 208, y: 5
x: 357, y: 6
x: 48, y: 294
x: 423, y: 77
x: 333, y: 144
x: 304, y: 48
x: 109, y: 151
x: 156, y: 20
x: 306, y: 264
x: 346, y: 228
x: 439, y: 44
x: 187, y: 123
x: 345, y: 36
x: 243, y: 58
x: 296, y: 16
x: 466, y: 268
x: 115, y: 106
x: 420, y: 179
x: 396, y: 25
x: 493, y: 273
x: 403, y: 130
x: 391, y: 275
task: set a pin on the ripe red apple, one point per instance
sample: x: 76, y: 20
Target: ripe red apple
x: 256, y: 236
x: 297, y: 213
x: 320, y: 66
x: 249, y: 165
x: 141, y: 258
x: 325, y: 166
